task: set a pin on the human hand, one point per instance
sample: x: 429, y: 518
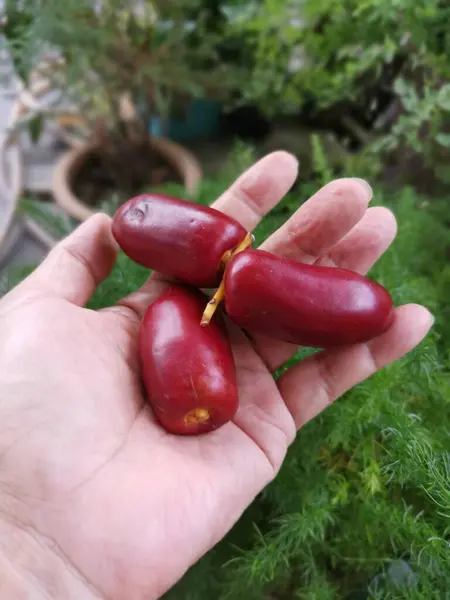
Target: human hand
x: 96, y: 499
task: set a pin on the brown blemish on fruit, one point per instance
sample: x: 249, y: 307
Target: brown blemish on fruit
x: 197, y: 416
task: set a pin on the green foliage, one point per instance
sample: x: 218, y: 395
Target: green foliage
x: 15, y: 29
x: 361, y: 506
x: 358, y: 55
x: 35, y: 128
x: 13, y: 277
x: 126, y: 276
x: 157, y: 52
x: 320, y: 160
x: 343, y: 41
x: 57, y: 223
x: 366, y: 484
x: 421, y: 126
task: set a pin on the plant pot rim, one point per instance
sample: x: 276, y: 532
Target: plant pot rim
x: 179, y: 158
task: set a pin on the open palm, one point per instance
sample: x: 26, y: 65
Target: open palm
x: 123, y: 506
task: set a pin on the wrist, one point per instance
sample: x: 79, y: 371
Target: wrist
x: 30, y: 568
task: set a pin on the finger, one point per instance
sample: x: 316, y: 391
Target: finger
x: 76, y: 266
x: 312, y: 385
x: 322, y: 221
x: 135, y: 304
x: 335, y: 210
x: 259, y: 189
x: 360, y: 249
x: 262, y: 414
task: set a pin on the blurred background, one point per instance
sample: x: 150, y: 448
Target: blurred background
x: 101, y: 100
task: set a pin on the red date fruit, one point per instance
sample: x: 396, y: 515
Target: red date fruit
x: 180, y: 239
x: 306, y: 305
x: 188, y: 370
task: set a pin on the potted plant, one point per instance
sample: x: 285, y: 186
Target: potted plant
x: 229, y: 59
x: 119, y: 65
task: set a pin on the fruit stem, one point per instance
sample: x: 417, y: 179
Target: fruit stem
x: 219, y: 295
x: 213, y: 304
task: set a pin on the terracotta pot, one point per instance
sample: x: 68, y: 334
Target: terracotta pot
x: 68, y: 166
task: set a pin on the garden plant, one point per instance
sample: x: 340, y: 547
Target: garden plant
x: 361, y: 507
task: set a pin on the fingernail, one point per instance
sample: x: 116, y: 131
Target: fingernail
x: 365, y: 185
x: 288, y: 157
x: 427, y: 318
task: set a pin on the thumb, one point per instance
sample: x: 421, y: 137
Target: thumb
x: 78, y: 264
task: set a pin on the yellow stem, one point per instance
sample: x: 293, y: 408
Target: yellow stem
x: 219, y: 295
x: 213, y: 304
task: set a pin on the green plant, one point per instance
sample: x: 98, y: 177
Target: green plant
x: 361, y: 505
x: 119, y: 65
x: 366, y: 484
x: 152, y: 51
x: 422, y: 126
x: 369, y: 69
x: 320, y: 161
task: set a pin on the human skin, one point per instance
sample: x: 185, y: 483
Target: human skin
x: 96, y: 499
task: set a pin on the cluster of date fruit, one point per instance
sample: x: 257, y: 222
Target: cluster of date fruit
x: 186, y: 359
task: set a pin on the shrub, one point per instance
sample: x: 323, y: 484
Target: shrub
x: 113, y: 67
x: 370, y: 68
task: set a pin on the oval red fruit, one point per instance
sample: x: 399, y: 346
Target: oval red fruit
x: 180, y: 239
x: 303, y: 304
x: 188, y: 370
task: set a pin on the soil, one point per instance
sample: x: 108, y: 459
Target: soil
x: 107, y: 175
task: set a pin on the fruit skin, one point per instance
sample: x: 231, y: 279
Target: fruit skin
x: 180, y: 239
x: 306, y: 305
x: 185, y: 366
